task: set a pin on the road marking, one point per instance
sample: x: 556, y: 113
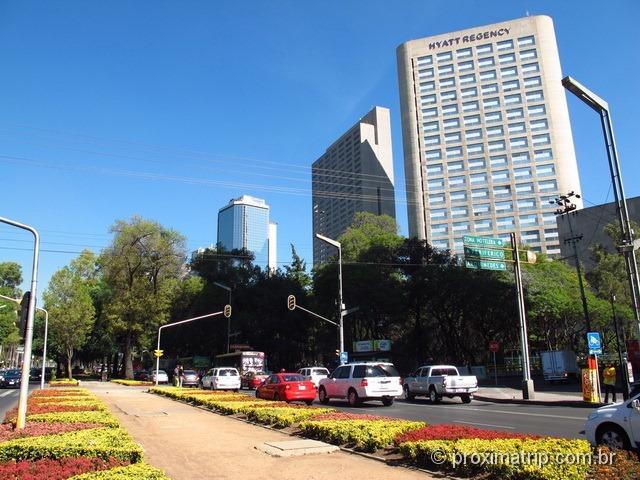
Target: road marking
x: 4, y: 394
x: 466, y: 409
x: 485, y: 424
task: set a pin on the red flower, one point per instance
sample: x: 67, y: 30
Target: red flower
x: 55, y: 469
x: 32, y: 429
x: 455, y: 432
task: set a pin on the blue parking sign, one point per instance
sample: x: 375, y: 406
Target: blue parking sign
x: 594, y: 343
x: 344, y: 357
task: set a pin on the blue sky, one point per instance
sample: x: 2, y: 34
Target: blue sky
x: 169, y: 109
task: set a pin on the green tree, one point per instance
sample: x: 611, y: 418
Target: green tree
x: 141, y: 269
x: 10, y: 278
x: 297, y: 271
x: 368, y: 230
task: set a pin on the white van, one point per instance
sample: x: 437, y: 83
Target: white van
x: 224, y: 378
x: 314, y: 374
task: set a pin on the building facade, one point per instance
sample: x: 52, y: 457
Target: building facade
x: 244, y: 223
x: 355, y: 174
x: 486, y: 134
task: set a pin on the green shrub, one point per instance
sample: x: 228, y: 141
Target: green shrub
x: 131, y: 472
x: 282, y: 417
x: 131, y: 383
x: 64, y: 382
x: 91, y: 416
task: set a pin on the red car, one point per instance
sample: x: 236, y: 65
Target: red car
x: 289, y: 387
x: 253, y: 380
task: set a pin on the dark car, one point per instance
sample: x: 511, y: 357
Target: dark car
x: 10, y: 379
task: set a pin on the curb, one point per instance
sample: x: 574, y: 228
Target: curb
x: 549, y: 403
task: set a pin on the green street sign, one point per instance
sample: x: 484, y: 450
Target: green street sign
x: 485, y: 264
x: 475, y: 241
x: 487, y: 253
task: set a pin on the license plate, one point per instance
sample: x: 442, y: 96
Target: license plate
x: 302, y: 387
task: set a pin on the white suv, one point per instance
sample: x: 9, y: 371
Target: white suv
x: 222, y: 379
x: 314, y: 374
x: 358, y: 382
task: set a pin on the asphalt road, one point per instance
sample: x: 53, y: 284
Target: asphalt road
x: 9, y: 398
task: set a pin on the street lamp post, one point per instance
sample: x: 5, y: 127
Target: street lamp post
x: 228, y: 289
x: 340, y: 304
x: 627, y: 248
x: 28, y: 337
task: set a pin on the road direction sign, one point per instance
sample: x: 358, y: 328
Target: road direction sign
x: 484, y: 264
x: 158, y: 353
x: 594, y: 344
x: 486, y: 253
x: 476, y: 241
x: 494, y: 346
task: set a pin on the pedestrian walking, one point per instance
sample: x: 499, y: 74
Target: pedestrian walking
x: 610, y: 383
x: 176, y: 376
x: 180, y: 374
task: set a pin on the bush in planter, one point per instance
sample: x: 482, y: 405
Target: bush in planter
x: 55, y: 469
x: 283, y: 416
x: 132, y: 472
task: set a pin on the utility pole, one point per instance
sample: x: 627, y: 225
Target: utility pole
x: 565, y: 207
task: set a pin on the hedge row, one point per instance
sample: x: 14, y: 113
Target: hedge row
x: 132, y: 383
x: 64, y: 382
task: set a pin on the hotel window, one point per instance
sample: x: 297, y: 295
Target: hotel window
x: 538, y: 124
x: 493, y: 102
x: 511, y: 85
x: 432, y: 140
x: 469, y: 92
x: 451, y: 123
x: 500, y: 176
x: 472, y: 120
x: 427, y: 73
x: 478, y: 178
x: 541, y: 139
x: 505, y: 223
x: 464, y: 52
x: 448, y: 96
x: 459, y: 212
x: 445, y: 70
x: 502, y: 207
x: 473, y: 135
x: 454, y: 152
x: 507, y: 58
x: 547, y: 185
x: 536, y: 110
x: 526, y: 41
x: 460, y: 226
x: 498, y: 161
x: 447, y: 82
x: 493, y: 117
x: 468, y: 65
x: 433, y: 170
x: 488, y: 48
x: 430, y: 127
x: 450, y: 110
x: 434, y: 154
x: 535, y: 96
x: 549, y: 218
x: 520, y: 157
x: 488, y: 75
x: 509, y: 71
x: 428, y: 60
x: 468, y: 78
x: 545, y: 170
x: 440, y: 213
x: 436, y: 198
x: 524, y: 188
x: 470, y: 106
x: 497, y: 146
x: 455, y: 166
x: 505, y: 45
x: 476, y: 163
x: 474, y: 149
x: 486, y: 62
x: 531, y: 236
x: 452, y: 137
x: 430, y: 112
x: 526, y: 204
x: 532, y: 82
x: 441, y: 244
x: 480, y: 209
x: 495, y: 131
x: 437, y: 184
x: 457, y: 181
x: 439, y: 229
x: 427, y: 86
x: 489, y: 89
x: 528, y: 54
x: 480, y: 193
x: 550, y: 233
x: 530, y: 68
x: 458, y: 196
x: 515, y: 113
x: 513, y: 99
x: 427, y: 99
x: 516, y: 128
x: 520, y: 142
x: 482, y: 225
x: 444, y: 56
x: 522, y: 173
x: 542, y: 155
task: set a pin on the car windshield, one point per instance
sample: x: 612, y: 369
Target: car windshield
x: 293, y: 378
x: 161, y: 372
x: 190, y: 372
x: 228, y: 372
x: 12, y: 372
x: 362, y: 371
x: 320, y: 371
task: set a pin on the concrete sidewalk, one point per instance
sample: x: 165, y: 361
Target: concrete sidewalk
x: 502, y: 394
x: 189, y: 443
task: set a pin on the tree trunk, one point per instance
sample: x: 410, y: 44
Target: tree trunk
x: 114, y: 365
x: 128, y: 358
x: 69, y: 358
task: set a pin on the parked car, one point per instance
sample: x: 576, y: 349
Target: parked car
x: 140, y: 375
x: 358, y: 382
x: 10, y: 378
x: 289, y: 387
x: 314, y: 374
x: 190, y: 378
x: 223, y: 378
x: 151, y: 376
x: 437, y: 381
x: 615, y: 426
x: 253, y: 380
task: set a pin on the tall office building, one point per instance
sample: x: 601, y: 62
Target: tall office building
x: 244, y: 223
x: 355, y: 174
x: 486, y: 134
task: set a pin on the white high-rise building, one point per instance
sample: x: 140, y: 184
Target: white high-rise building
x: 486, y: 134
x: 355, y: 174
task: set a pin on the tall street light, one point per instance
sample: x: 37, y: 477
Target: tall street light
x: 627, y: 246
x: 340, y: 304
x: 228, y: 289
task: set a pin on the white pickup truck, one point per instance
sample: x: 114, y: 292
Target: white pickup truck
x: 437, y: 381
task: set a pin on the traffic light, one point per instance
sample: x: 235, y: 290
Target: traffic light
x: 227, y: 311
x: 158, y: 353
x: 291, y: 302
x: 337, y: 352
x: 24, y: 313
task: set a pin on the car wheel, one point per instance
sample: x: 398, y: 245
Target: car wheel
x: 276, y: 397
x: 322, y: 396
x: 387, y: 401
x: 407, y: 394
x: 352, y: 397
x: 257, y: 393
x: 466, y: 398
x: 433, y: 395
x: 613, y: 436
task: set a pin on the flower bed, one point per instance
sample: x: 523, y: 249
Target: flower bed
x: 134, y: 472
x: 282, y: 416
x: 65, y: 382
x: 625, y: 466
x: 32, y: 429
x: 66, y: 391
x: 456, y: 432
x: 55, y: 469
x: 132, y: 383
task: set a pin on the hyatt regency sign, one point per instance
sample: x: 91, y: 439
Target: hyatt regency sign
x: 474, y: 37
